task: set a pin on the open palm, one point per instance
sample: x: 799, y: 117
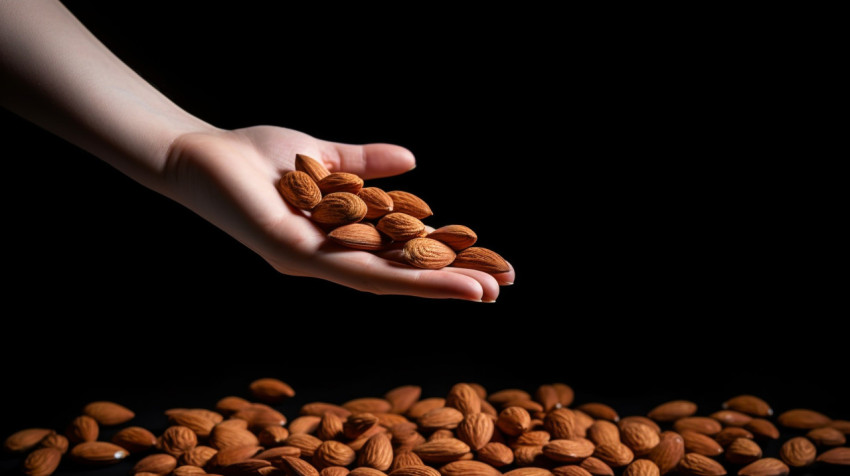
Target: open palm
x: 230, y: 177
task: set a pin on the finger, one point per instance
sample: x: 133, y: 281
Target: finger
x: 367, y: 272
x: 506, y: 278
x: 373, y: 160
x: 488, y: 283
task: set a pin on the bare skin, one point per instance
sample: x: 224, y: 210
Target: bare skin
x: 55, y: 73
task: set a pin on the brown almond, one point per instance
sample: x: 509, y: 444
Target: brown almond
x: 271, y: 390
x: 841, y: 425
x: 561, y: 423
x: 798, y: 452
x: 108, y: 413
x: 299, y: 190
x: 159, y: 463
x: 836, y: 456
x: 481, y: 259
x: 640, y: 438
x: 514, y: 420
x: 400, y: 226
x: 377, y: 453
x: 424, y: 406
x: 476, y: 430
x: 199, y: 422
x: 765, y: 467
x: 339, y: 208
x: 496, y: 454
x: 334, y: 471
x: 826, y: 436
x: 198, y: 456
x: 42, y: 462
x: 568, y: 451
x: 378, y: 203
x: 642, y: 467
x: 134, y: 439
x: 259, y: 416
x: 272, y: 436
x: 460, y: 237
x: 803, y: 419
x: 415, y: 470
x: 501, y: 397
x: 177, y: 440
x: 388, y: 420
x: 98, y: 452
x: 298, y: 467
x: 570, y: 470
x: 597, y: 467
x: 545, y: 394
x: 428, y: 254
x: 597, y: 410
x: 704, y: 425
x: 743, y: 451
x: 669, y: 451
x: 410, y: 204
x: 762, y: 428
x: 462, y: 396
x: 530, y: 471
x: 305, y: 424
x: 469, y: 468
x: 533, y: 438
x: 405, y: 458
x: 275, y: 455
x: 312, y: 167
x: 320, y: 408
x: 231, y: 405
x: 441, y: 433
x: 641, y: 420
x: 699, y: 465
x: 188, y: 470
x: 55, y: 441
x: 731, y: 417
x: 529, y: 456
x: 366, y: 471
x: 83, y: 428
x: 749, y: 404
x: 701, y: 444
x: 443, y: 450
x: 402, y: 398
x: 359, y: 236
x: 333, y: 453
x: 228, y: 436
x: 358, y: 424
x: 330, y: 427
x: 673, y: 410
x: 340, y: 182
x: 614, y: 455
x: 603, y: 431
x: 228, y: 456
x: 304, y: 442
x: 728, y: 435
x: 565, y: 394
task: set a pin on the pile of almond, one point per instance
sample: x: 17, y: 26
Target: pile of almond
x: 339, y: 203
x: 469, y: 432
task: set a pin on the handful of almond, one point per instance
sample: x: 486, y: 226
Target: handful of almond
x: 339, y: 203
x: 469, y: 432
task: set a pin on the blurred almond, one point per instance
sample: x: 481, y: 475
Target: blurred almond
x: 669, y: 451
x: 641, y: 420
x: 304, y: 442
x: 42, y: 462
x: 55, y: 441
x: 561, y: 423
x: 231, y: 405
x: 410, y: 204
x: 836, y: 456
x: 134, y: 439
x: 597, y: 467
x: 198, y: 422
x: 25, y: 440
x: 565, y: 394
x: 98, y: 452
x: 749, y: 404
x: 762, y: 428
x: 826, y: 436
x: 570, y: 470
x: 159, y: 463
x: 108, y: 413
x: 271, y: 390
x: 228, y: 456
x: 496, y: 454
x: 546, y: 394
x: 704, y: 425
x: 600, y: 411
x: 673, y: 410
x: 469, y: 468
x: 424, y: 406
x: 569, y: 451
x: 731, y: 417
x: 603, y: 431
x: 531, y: 471
x: 728, y: 435
x: 83, y: 428
x: 272, y: 436
x: 340, y: 182
x: 642, y: 467
x: 765, y: 467
x: 298, y: 467
x: 701, y: 444
x: 743, y: 451
x: 198, y: 456
x: 402, y: 398
x: 798, y: 452
x: 699, y: 465
x: 803, y: 419
x: 415, y: 470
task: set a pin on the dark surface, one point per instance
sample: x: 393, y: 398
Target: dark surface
x: 658, y: 197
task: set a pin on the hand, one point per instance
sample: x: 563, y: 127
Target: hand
x: 230, y: 177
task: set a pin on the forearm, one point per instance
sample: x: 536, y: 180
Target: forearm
x: 55, y: 73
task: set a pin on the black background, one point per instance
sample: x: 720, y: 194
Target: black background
x: 659, y: 193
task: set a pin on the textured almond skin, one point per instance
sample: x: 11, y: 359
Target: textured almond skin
x: 568, y: 451
x: 731, y: 417
x: 838, y: 456
x: 826, y: 436
x: 530, y: 471
x: 55, y: 441
x: 187, y: 470
x: 561, y: 423
x: 640, y: 438
x: 42, y: 462
x: 312, y: 167
x: 669, y: 451
x: 765, y: 467
x: 728, y: 435
x: 330, y: 427
x: 603, y: 431
x: 402, y: 398
x: 743, y: 451
x: 565, y: 394
x: 481, y: 259
x: 600, y: 411
x: 134, y: 439
x: 108, y: 413
x: 405, y: 458
x: 441, y: 451
x: 415, y: 470
x: 458, y: 237
x: 320, y: 408
x: 334, y: 471
x: 228, y: 436
x: 231, y: 405
x: 514, y: 420
x: 642, y: 467
x: 157, y: 463
x: 367, y: 405
x: 798, y: 452
x: 271, y: 390
x: 177, y: 440
x: 378, y: 203
x: 366, y: 471
x: 98, y: 452
x: 641, y: 420
x: 803, y: 419
x: 198, y: 456
x: 701, y: 444
x: 699, y: 465
x: 274, y: 455
x: 672, y: 411
x: 749, y: 404
x: 358, y: 424
x: 304, y: 442
x: 597, y: 467
x: 762, y: 428
x: 614, y: 455
x: 570, y: 470
x: 529, y: 455
x: 496, y: 454
x: 229, y: 456
x: 377, y: 453
x: 441, y: 418
x: 272, y: 436
x: 428, y: 254
x: 410, y: 204
x: 340, y: 208
x: 704, y: 425
x: 401, y: 226
x: 298, y: 467
x: 333, y: 453
x: 83, y: 428
x: 198, y: 422
x: 340, y: 182
x: 533, y: 438
x: 469, y: 468
x: 464, y: 398
x: 299, y: 190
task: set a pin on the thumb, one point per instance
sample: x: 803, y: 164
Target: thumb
x: 373, y: 160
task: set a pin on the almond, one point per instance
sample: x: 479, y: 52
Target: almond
x: 415, y: 470
x: 305, y: 424
x: 230, y: 405
x: 530, y: 405
x: 826, y: 436
x: 98, y: 452
x: 469, y: 468
x: 228, y: 456
x: 701, y: 444
x: 459, y: 237
x: 672, y: 411
x: 428, y: 254
x: 531, y: 471
x: 762, y: 428
x: 642, y: 467
x: 533, y: 438
x: 496, y: 454
x: 561, y: 423
x: 841, y: 425
x: 260, y: 416
x: 837, y: 456
x: 358, y: 424
x: 299, y: 190
x: 569, y: 451
x: 803, y: 419
x: 377, y: 453
x: 312, y: 167
x: 476, y: 430
x: 198, y: 456
x: 614, y: 455
x: 728, y: 435
x: 198, y: 422
x: 641, y: 420
x: 333, y: 453
x: 134, y: 439
x: 441, y: 451
x: 334, y: 471
x: 669, y: 451
x: 765, y: 467
x: 402, y: 398
x: 410, y: 204
x: 481, y: 259
x: 159, y: 463
x: 227, y: 436
x: 108, y: 413
x: 640, y: 438
x: 699, y: 465
x: 546, y: 394
x: 530, y: 456
x: 304, y: 442
x: 340, y: 208
x: 55, y: 441
x: 340, y: 182
x: 704, y: 425
x: 565, y: 394
x: 177, y: 440
x: 462, y: 396
x: 798, y: 452
x: 42, y: 462
x: 605, y: 432
x: 731, y: 417
x: 320, y: 408
x: 272, y: 436
x: 514, y: 420
x: 188, y: 470
x: 83, y: 428
x: 597, y: 410
x: 271, y: 390
x: 298, y: 467
x: 378, y: 203
x: 743, y: 451
x: 749, y: 404
x: 570, y: 470
x: 276, y: 454
x: 424, y: 406
x: 366, y: 471
x: 597, y: 467
x: 330, y: 427
x: 401, y: 226
x: 387, y: 420
x: 406, y: 458
x: 441, y: 433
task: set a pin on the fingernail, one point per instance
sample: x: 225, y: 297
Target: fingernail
x: 508, y: 284
x: 489, y: 301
